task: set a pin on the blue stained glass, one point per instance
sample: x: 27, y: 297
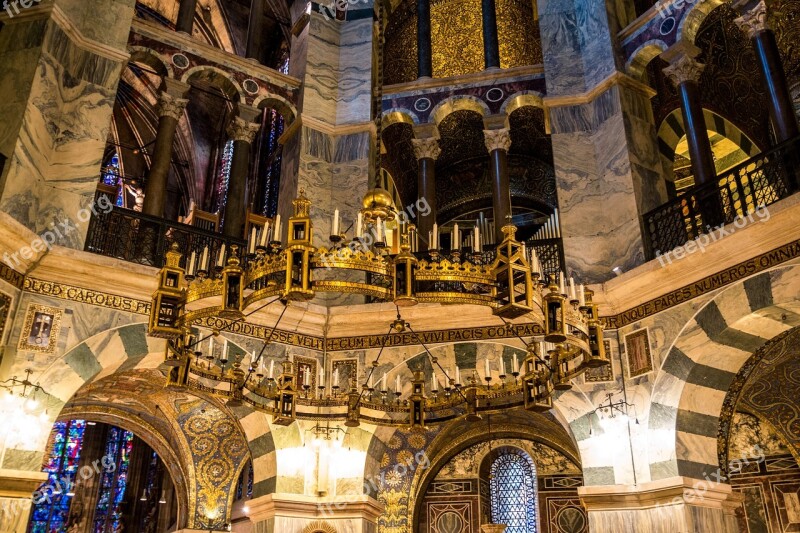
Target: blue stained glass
x: 108, y: 512
x: 273, y: 171
x: 60, y: 466
x: 112, y: 175
x: 513, y: 486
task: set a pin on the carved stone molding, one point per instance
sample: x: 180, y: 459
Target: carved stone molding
x: 426, y: 148
x: 171, y: 106
x: 242, y: 130
x: 754, y: 21
x: 684, y: 68
x: 499, y: 139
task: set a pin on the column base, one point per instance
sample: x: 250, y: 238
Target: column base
x: 16, y: 489
x: 294, y: 512
x: 673, y: 505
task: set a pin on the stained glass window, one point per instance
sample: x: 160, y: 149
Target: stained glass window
x: 61, y: 466
x: 113, y: 483
x: 112, y: 175
x: 224, y: 175
x: 513, y: 484
x: 272, y: 176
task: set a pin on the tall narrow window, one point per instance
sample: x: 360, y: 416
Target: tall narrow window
x: 224, y: 175
x: 108, y: 513
x: 51, y: 514
x: 513, y: 487
x: 112, y: 175
x: 271, y: 162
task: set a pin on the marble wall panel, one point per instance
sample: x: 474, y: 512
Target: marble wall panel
x: 355, y: 72
x: 60, y: 143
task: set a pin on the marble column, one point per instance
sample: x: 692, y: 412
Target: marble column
x: 498, y: 142
x: 186, y: 12
x: 171, y: 106
x: 242, y: 130
x: 491, y: 46
x: 424, y: 53
x: 426, y: 151
x: 16, y: 490
x: 684, y: 72
x: 781, y: 108
x: 255, y: 30
x: 669, y: 505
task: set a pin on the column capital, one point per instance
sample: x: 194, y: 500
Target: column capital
x: 243, y: 130
x: 683, y: 68
x: 499, y: 139
x: 426, y: 148
x: 754, y: 21
x: 171, y: 106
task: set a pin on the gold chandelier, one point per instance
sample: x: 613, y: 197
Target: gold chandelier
x: 509, y: 281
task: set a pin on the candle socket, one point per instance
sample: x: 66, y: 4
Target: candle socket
x: 336, y: 239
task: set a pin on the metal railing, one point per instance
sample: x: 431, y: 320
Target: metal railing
x: 757, y: 182
x: 144, y: 239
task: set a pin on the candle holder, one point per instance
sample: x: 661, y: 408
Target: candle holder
x: 336, y: 239
x: 274, y: 247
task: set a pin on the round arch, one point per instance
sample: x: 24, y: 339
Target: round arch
x: 151, y: 58
x: 702, y: 363
x: 217, y: 78
x: 641, y: 57
x: 459, y: 103
x: 152, y: 437
x: 279, y: 104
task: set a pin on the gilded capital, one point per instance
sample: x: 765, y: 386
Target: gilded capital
x: 684, y: 68
x: 426, y: 148
x: 754, y: 21
x: 171, y: 106
x: 499, y: 139
x: 243, y: 130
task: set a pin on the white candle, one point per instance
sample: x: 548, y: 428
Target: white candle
x: 321, y: 377
x: 502, y: 366
x: 433, y: 381
x: 542, y: 349
x: 455, y: 245
x: 369, y: 381
x: 379, y: 229
x: 359, y: 224
x: 572, y: 295
x: 335, y: 230
x: 535, y: 262
x: 252, y: 243
x: 486, y: 367
x: 192, y: 259
x: 336, y: 378
x: 204, y: 260
x: 430, y: 240
x: 224, y: 350
x: 221, y: 256
x: 435, y: 236
x: 477, y: 239
x: 514, y: 365
x: 581, y: 295
x: 458, y: 375
x: 276, y: 232
x: 397, y: 383
x: 271, y: 369
x: 562, y: 286
x: 264, y: 233
x: 211, y: 347
x: 383, y: 385
x: 307, y: 376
